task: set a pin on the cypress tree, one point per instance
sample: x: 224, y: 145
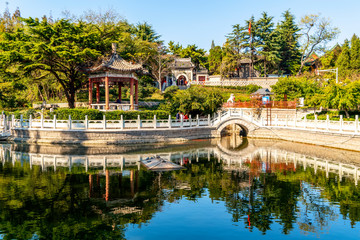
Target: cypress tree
x: 267, y: 47
x: 215, y: 59
x: 343, y: 62
x: 287, y: 38
x: 355, y: 53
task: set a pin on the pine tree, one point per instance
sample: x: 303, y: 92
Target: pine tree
x: 355, y: 53
x: 236, y: 46
x: 287, y: 38
x: 343, y: 62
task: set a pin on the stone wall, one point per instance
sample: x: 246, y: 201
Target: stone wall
x: 332, y: 140
x: 264, y: 82
x: 91, y: 137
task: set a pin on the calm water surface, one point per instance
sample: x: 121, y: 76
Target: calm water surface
x: 232, y: 188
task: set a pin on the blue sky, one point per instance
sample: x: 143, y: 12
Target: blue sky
x: 200, y: 21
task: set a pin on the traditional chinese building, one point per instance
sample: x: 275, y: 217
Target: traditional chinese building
x: 183, y: 72
x: 114, y: 71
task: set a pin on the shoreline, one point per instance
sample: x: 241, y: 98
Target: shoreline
x: 139, y: 136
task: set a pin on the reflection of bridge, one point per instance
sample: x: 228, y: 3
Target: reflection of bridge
x: 232, y: 159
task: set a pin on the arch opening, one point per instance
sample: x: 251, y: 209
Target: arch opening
x: 182, y: 80
x: 234, y: 129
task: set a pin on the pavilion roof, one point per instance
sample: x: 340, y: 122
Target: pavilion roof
x: 262, y: 91
x: 117, y: 63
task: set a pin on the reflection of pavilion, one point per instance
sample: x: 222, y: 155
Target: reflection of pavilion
x: 96, y: 188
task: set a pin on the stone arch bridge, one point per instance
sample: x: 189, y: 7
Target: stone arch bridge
x: 236, y: 117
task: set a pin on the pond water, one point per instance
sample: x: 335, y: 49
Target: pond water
x: 230, y: 188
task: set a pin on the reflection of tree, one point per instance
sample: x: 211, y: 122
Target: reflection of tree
x: 57, y: 205
x: 48, y: 205
x: 97, y: 205
x: 345, y: 193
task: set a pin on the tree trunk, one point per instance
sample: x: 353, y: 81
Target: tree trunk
x: 70, y: 97
x: 346, y: 113
x: 265, y: 68
x: 300, y: 70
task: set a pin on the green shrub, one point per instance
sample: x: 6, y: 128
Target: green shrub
x: 76, y: 114
x: 128, y: 115
x: 93, y: 114
x: 333, y: 115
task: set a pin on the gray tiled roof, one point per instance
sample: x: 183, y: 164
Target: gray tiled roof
x: 115, y: 62
x: 182, y: 63
x: 262, y: 91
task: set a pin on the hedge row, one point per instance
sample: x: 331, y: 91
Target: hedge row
x: 93, y: 114
x: 334, y: 115
x: 331, y: 118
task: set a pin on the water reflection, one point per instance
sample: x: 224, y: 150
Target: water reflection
x: 71, y: 192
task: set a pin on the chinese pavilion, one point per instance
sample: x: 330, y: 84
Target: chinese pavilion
x: 113, y: 71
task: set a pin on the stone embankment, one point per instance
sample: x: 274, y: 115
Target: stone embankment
x: 93, y: 137
x: 335, y: 134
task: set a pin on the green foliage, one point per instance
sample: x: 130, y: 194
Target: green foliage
x: 76, y: 114
x: 93, y: 114
x: 61, y: 49
x: 328, y: 60
x: 355, y: 54
x: 287, y: 38
x: 292, y: 87
x: 342, y: 97
x: 130, y: 115
x: 170, y: 92
x: 251, y: 88
x: 215, y: 58
x: 333, y: 115
x: 145, y: 32
x: 194, y: 100
x: 265, y: 36
x: 343, y: 61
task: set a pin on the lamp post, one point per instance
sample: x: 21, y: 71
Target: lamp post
x: 335, y: 70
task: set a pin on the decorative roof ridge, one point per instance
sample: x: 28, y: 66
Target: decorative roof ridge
x: 116, y: 62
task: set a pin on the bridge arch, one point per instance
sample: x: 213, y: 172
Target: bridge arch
x: 246, y: 126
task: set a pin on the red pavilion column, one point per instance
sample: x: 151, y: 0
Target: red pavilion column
x: 97, y: 92
x: 119, y: 92
x: 90, y: 92
x: 136, y: 92
x: 132, y: 94
x: 107, y: 93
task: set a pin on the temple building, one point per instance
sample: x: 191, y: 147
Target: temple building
x: 114, y: 71
x: 183, y: 72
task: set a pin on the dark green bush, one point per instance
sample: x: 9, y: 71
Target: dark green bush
x: 334, y: 115
x: 79, y: 114
x: 115, y: 115
x: 76, y: 114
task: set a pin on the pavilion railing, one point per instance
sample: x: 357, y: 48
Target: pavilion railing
x: 113, y: 106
